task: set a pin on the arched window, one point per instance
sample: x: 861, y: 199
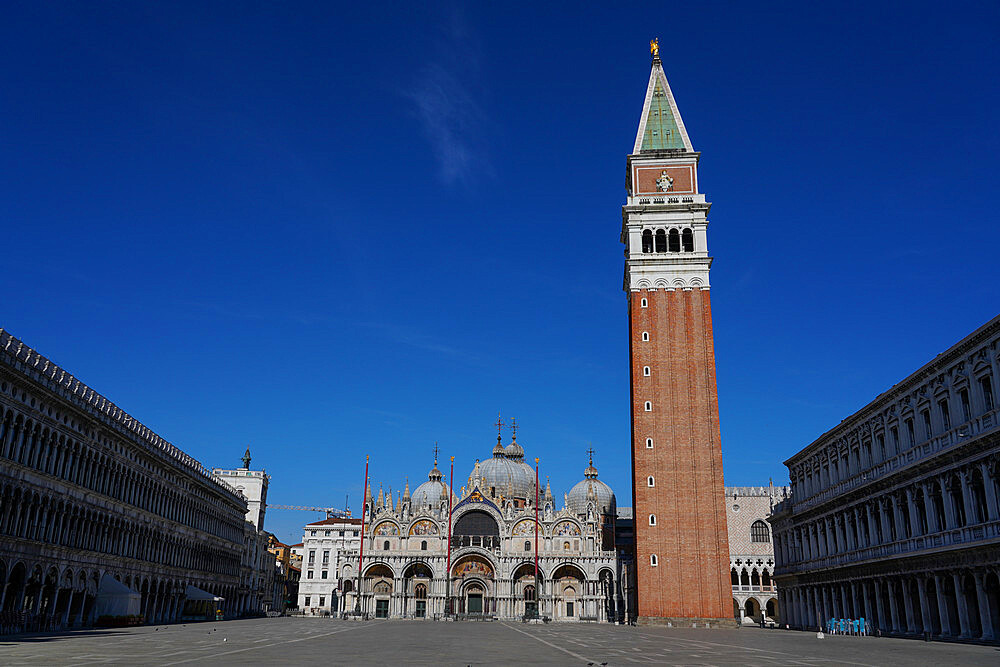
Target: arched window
x: 661, y: 241
x: 529, y: 593
x: 476, y: 523
x: 647, y: 241
x: 527, y: 545
x: 675, y: 241
x: 759, y: 532
x: 565, y: 546
x: 652, y: 519
x: 652, y: 560
x: 420, y: 592
x: 649, y: 406
x: 687, y: 238
x: 645, y: 371
x: 423, y: 545
x: 650, y: 481
x: 643, y: 302
x: 645, y: 335
x: 385, y: 545
x: 649, y: 443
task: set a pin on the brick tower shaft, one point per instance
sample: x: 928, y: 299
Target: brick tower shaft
x: 682, y: 550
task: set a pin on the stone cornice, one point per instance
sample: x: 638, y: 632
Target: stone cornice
x: 939, y: 364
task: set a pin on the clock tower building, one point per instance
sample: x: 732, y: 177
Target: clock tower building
x: 682, y: 550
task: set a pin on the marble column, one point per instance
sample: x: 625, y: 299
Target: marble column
x: 985, y: 614
x: 942, y: 603
x: 911, y: 622
x: 867, y: 605
x: 925, y: 608
x: 963, y: 611
x: 893, y: 587
x: 991, y: 496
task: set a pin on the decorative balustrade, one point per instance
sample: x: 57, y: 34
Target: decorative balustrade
x: 645, y: 200
x: 755, y: 589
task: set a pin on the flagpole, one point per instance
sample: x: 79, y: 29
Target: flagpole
x: 361, y: 555
x: 538, y: 592
x: 451, y: 487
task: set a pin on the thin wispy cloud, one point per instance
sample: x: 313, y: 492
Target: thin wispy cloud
x: 443, y: 96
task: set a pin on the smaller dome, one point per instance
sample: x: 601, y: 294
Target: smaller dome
x: 498, y: 449
x: 431, y: 492
x: 514, y: 451
x: 591, y: 489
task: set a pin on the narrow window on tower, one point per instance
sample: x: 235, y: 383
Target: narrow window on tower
x: 647, y: 241
x: 652, y: 559
x: 645, y: 336
x: 652, y: 519
x: 675, y: 241
x: 650, y: 481
x: 649, y: 443
x: 644, y: 303
x: 966, y: 407
x: 649, y: 406
x: 645, y: 371
x: 661, y: 241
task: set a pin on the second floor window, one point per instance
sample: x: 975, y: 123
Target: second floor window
x: 759, y: 532
x: 986, y: 384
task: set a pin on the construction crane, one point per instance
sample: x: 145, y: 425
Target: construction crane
x: 331, y: 512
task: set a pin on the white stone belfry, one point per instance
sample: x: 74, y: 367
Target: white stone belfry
x: 664, y: 220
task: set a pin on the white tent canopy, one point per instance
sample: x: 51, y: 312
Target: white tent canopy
x: 193, y: 593
x: 116, y: 599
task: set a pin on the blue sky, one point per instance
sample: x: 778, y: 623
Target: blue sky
x: 335, y: 230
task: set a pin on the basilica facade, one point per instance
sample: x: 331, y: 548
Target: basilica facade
x: 413, y: 568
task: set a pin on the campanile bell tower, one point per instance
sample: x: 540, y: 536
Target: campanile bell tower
x: 682, y: 547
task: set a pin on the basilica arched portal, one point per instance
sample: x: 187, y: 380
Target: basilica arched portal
x: 474, y: 583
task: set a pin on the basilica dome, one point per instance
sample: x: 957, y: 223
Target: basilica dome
x: 591, y: 489
x: 431, y: 492
x: 506, y: 476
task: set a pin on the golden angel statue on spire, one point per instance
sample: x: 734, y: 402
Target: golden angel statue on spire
x: 654, y: 47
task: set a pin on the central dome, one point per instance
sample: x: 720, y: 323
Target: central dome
x: 506, y: 476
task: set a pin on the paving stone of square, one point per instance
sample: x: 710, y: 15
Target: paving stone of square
x: 289, y: 641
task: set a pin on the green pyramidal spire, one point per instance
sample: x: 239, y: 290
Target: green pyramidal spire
x: 661, y: 126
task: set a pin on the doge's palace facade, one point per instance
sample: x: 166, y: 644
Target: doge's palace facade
x: 88, y: 492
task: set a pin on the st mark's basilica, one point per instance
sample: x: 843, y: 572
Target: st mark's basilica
x: 492, y: 549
